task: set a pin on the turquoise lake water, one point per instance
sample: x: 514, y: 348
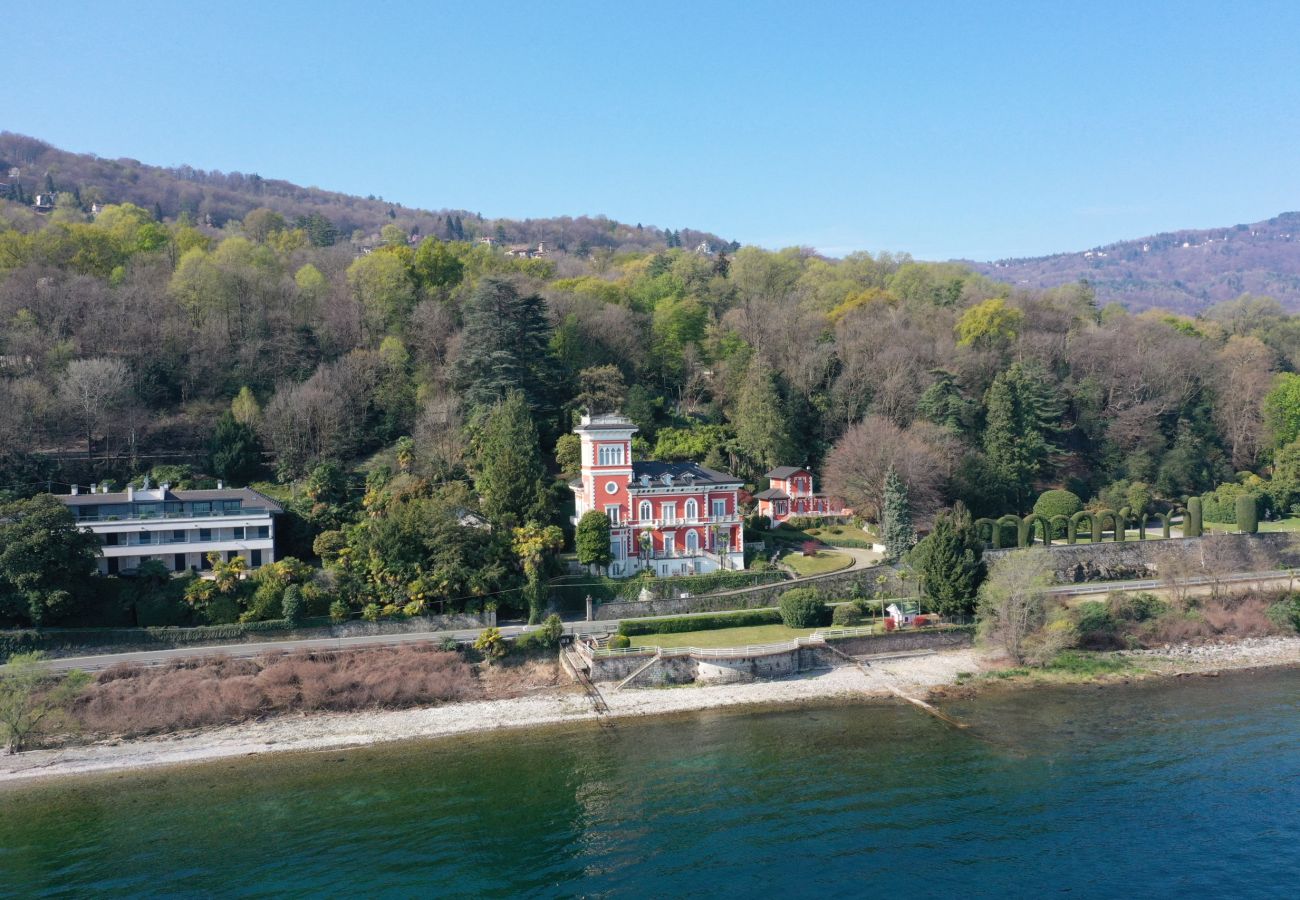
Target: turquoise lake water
x: 1186, y: 788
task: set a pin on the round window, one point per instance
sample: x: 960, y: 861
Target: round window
x: 611, y: 487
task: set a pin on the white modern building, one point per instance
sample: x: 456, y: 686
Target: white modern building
x: 177, y: 528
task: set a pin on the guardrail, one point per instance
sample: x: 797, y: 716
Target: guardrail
x: 1105, y: 587
x: 816, y: 639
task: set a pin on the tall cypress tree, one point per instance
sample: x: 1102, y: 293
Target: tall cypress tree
x: 896, y: 518
x: 763, y: 427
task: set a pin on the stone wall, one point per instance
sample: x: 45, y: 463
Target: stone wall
x: 1135, y: 559
x: 707, y: 668
x: 761, y: 597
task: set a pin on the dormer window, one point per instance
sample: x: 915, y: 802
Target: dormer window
x: 667, y: 479
x: 645, y: 481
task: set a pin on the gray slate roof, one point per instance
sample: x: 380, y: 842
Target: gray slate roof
x: 679, y: 470
x: 785, y: 471
x: 248, y: 495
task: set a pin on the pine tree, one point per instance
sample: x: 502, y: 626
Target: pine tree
x: 510, y: 479
x: 943, y: 404
x: 1023, y: 415
x: 951, y: 564
x: 507, y: 348
x: 896, y: 518
x: 763, y: 429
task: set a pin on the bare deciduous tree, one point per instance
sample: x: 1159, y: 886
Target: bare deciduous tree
x: 94, y: 391
x: 921, y: 455
x: 1013, y: 601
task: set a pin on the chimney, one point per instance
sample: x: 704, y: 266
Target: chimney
x: 75, y: 489
x: 130, y: 494
x: 165, y: 487
x: 221, y: 485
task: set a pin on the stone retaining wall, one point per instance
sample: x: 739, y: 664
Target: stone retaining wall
x: 704, y: 668
x: 1132, y: 559
x: 761, y: 597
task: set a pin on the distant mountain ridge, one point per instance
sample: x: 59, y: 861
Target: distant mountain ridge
x: 1184, y: 271
x: 218, y: 197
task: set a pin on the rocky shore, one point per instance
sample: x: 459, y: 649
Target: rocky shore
x: 912, y: 676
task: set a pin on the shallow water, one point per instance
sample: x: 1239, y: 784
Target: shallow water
x: 1188, y: 787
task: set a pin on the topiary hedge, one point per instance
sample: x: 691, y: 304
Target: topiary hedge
x: 803, y: 608
x: 711, y: 622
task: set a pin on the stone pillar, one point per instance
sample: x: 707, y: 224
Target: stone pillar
x: 590, y: 617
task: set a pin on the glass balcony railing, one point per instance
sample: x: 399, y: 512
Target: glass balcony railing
x: 171, y: 516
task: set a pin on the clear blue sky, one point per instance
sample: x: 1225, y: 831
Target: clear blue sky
x: 976, y: 130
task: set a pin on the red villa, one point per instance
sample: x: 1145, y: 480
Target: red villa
x: 792, y: 494
x: 677, y: 518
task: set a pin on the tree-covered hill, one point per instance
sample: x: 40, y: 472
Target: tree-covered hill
x: 29, y: 167
x: 1182, y: 271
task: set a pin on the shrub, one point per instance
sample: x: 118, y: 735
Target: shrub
x: 339, y: 611
x: 620, y: 642
x: 546, y: 637
x: 291, y: 605
x: 803, y: 608
x: 1135, y: 607
x: 1094, y: 626
x: 920, y: 621
x: 809, y: 548
x: 846, y: 614
x: 491, y: 644
x: 1057, y: 503
x: 1285, y: 614
x: 710, y: 622
x: 371, y: 612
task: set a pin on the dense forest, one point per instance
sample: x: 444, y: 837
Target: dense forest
x: 380, y: 387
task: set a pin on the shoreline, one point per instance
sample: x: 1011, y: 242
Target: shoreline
x: 882, y: 679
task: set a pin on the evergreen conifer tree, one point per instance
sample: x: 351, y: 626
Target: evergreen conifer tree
x: 896, y: 518
x: 510, y: 480
x: 951, y: 564
x: 763, y: 426
x: 1023, y: 415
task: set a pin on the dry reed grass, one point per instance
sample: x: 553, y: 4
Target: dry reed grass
x: 201, y: 691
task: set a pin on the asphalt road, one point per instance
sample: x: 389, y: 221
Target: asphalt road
x: 244, y: 650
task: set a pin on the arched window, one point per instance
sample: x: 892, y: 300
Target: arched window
x: 692, y: 542
x: 692, y: 510
x: 645, y: 511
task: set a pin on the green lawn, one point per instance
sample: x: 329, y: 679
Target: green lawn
x: 829, y: 534
x: 724, y: 637
x: 823, y: 562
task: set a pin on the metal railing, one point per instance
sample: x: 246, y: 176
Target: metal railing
x: 172, y: 516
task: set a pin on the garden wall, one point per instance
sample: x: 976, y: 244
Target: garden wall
x: 83, y: 641
x: 762, y: 597
x: 1133, y: 559
x: 724, y: 667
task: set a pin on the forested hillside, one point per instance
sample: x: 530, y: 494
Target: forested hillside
x: 379, y: 392
x: 29, y: 167
x: 1182, y: 271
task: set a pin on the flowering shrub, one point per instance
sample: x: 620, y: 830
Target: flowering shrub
x: 809, y: 548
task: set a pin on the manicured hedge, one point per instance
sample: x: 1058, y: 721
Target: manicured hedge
x: 710, y: 622
x: 571, y: 592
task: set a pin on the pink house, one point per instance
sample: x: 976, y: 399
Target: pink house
x: 791, y: 494
x: 677, y: 518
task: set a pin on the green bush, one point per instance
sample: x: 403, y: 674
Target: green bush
x: 846, y: 614
x: 803, y: 608
x: 491, y: 643
x: 291, y: 604
x: 710, y: 622
x: 1135, y: 607
x: 620, y: 642
x: 1285, y: 614
x: 547, y: 637
x: 1247, y: 513
x: 1092, y: 618
x: 1057, y: 503
x: 339, y: 611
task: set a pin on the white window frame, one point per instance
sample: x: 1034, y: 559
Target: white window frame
x: 609, y: 455
x: 668, y: 512
x: 692, y: 510
x: 719, y: 508
x: 613, y: 510
x: 646, y: 511
x: 692, y: 541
